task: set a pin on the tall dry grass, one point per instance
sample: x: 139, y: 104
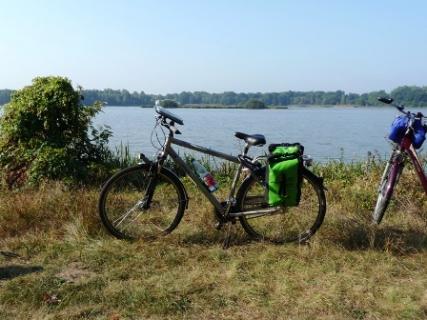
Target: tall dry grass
x: 58, y: 262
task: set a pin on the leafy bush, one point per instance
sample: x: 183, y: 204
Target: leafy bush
x: 46, y: 133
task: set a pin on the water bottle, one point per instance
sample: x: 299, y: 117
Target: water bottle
x: 204, y: 174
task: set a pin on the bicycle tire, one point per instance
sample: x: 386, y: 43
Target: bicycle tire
x: 121, y: 200
x: 385, y: 191
x: 289, y: 220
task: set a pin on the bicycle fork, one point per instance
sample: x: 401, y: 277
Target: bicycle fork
x: 392, y: 173
x: 152, y: 182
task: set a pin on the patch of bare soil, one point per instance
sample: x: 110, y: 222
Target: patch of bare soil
x: 75, y: 272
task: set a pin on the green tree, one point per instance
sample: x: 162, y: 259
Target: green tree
x: 255, y: 104
x: 169, y: 103
x: 46, y: 133
x: 411, y: 95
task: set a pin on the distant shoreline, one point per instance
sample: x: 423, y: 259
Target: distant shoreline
x: 411, y: 96
x: 235, y: 107
x: 293, y: 107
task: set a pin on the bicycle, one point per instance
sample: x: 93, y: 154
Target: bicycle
x: 148, y: 200
x: 403, y: 150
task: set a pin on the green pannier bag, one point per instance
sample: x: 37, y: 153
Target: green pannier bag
x: 284, y: 174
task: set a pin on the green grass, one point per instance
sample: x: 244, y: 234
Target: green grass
x: 349, y: 270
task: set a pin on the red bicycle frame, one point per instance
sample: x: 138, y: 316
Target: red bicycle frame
x: 406, y: 146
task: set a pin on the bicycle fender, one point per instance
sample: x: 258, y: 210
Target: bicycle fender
x: 319, y: 179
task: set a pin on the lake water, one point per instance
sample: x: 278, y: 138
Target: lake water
x: 327, y: 133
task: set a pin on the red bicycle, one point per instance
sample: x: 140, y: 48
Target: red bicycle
x: 408, y: 133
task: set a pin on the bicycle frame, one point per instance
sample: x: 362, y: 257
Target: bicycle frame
x: 406, y: 146
x: 221, y: 212
x: 168, y: 150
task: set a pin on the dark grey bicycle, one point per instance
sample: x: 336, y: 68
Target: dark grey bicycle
x: 149, y: 200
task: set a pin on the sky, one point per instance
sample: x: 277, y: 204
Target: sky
x: 164, y: 47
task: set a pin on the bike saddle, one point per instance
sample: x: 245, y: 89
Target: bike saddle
x: 251, y: 139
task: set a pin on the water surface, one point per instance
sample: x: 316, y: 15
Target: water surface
x: 327, y: 133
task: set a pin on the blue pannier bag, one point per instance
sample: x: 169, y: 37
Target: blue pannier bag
x: 398, y: 128
x: 419, y: 134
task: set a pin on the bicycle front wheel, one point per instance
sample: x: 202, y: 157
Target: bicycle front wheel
x: 290, y: 223
x: 139, y: 203
x: 390, y: 177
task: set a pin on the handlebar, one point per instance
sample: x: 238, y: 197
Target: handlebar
x: 401, y: 108
x: 163, y: 121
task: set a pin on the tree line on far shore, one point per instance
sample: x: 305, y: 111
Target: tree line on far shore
x: 409, y: 95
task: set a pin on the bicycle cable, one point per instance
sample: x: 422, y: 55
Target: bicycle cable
x: 155, y: 132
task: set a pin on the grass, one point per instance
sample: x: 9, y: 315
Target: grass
x: 57, y: 262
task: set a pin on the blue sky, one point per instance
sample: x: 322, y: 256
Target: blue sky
x: 244, y: 46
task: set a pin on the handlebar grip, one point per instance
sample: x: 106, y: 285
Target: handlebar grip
x: 400, y: 108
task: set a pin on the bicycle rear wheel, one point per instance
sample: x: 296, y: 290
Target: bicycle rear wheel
x: 139, y: 203
x: 291, y: 223
x: 389, y: 180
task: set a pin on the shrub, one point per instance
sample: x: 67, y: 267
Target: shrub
x: 46, y: 133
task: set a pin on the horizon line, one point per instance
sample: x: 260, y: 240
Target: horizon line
x: 238, y: 92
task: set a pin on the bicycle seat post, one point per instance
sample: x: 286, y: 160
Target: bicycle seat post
x: 231, y: 200
x: 246, y: 149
